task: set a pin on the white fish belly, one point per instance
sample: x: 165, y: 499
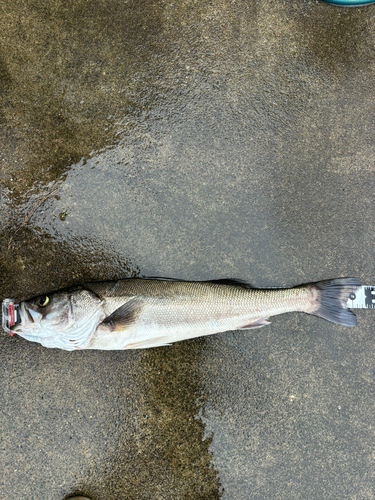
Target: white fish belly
x: 155, y: 327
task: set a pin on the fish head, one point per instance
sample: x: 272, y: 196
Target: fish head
x: 63, y: 319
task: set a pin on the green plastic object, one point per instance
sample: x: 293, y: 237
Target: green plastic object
x: 349, y: 3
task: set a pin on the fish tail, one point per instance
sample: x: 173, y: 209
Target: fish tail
x: 331, y: 300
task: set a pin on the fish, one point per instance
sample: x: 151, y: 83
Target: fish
x: 137, y: 313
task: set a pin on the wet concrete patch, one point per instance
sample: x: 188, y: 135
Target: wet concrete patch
x: 74, y: 65
x: 86, y: 260
x: 308, y: 384
x: 164, y: 448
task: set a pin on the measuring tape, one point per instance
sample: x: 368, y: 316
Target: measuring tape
x: 364, y: 298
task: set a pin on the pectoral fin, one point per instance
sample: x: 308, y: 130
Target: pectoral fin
x: 123, y: 317
x: 257, y: 324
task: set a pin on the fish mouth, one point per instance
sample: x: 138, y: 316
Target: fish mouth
x: 29, y: 320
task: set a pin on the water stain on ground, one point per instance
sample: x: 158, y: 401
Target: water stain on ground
x: 165, y: 450
x: 58, y: 265
x: 80, y: 67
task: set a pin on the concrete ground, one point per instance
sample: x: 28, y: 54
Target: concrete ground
x: 192, y: 140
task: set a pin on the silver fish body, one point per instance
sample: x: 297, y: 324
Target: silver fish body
x: 142, y: 313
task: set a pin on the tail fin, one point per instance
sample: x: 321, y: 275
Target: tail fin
x: 333, y: 297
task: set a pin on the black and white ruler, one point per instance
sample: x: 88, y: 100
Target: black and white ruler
x: 363, y: 298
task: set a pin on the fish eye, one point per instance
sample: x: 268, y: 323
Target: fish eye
x: 43, y: 301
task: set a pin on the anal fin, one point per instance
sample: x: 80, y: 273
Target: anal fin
x: 257, y: 324
x: 145, y: 344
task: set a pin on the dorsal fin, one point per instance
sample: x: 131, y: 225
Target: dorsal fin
x: 159, y: 278
x: 231, y: 281
x: 222, y: 281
